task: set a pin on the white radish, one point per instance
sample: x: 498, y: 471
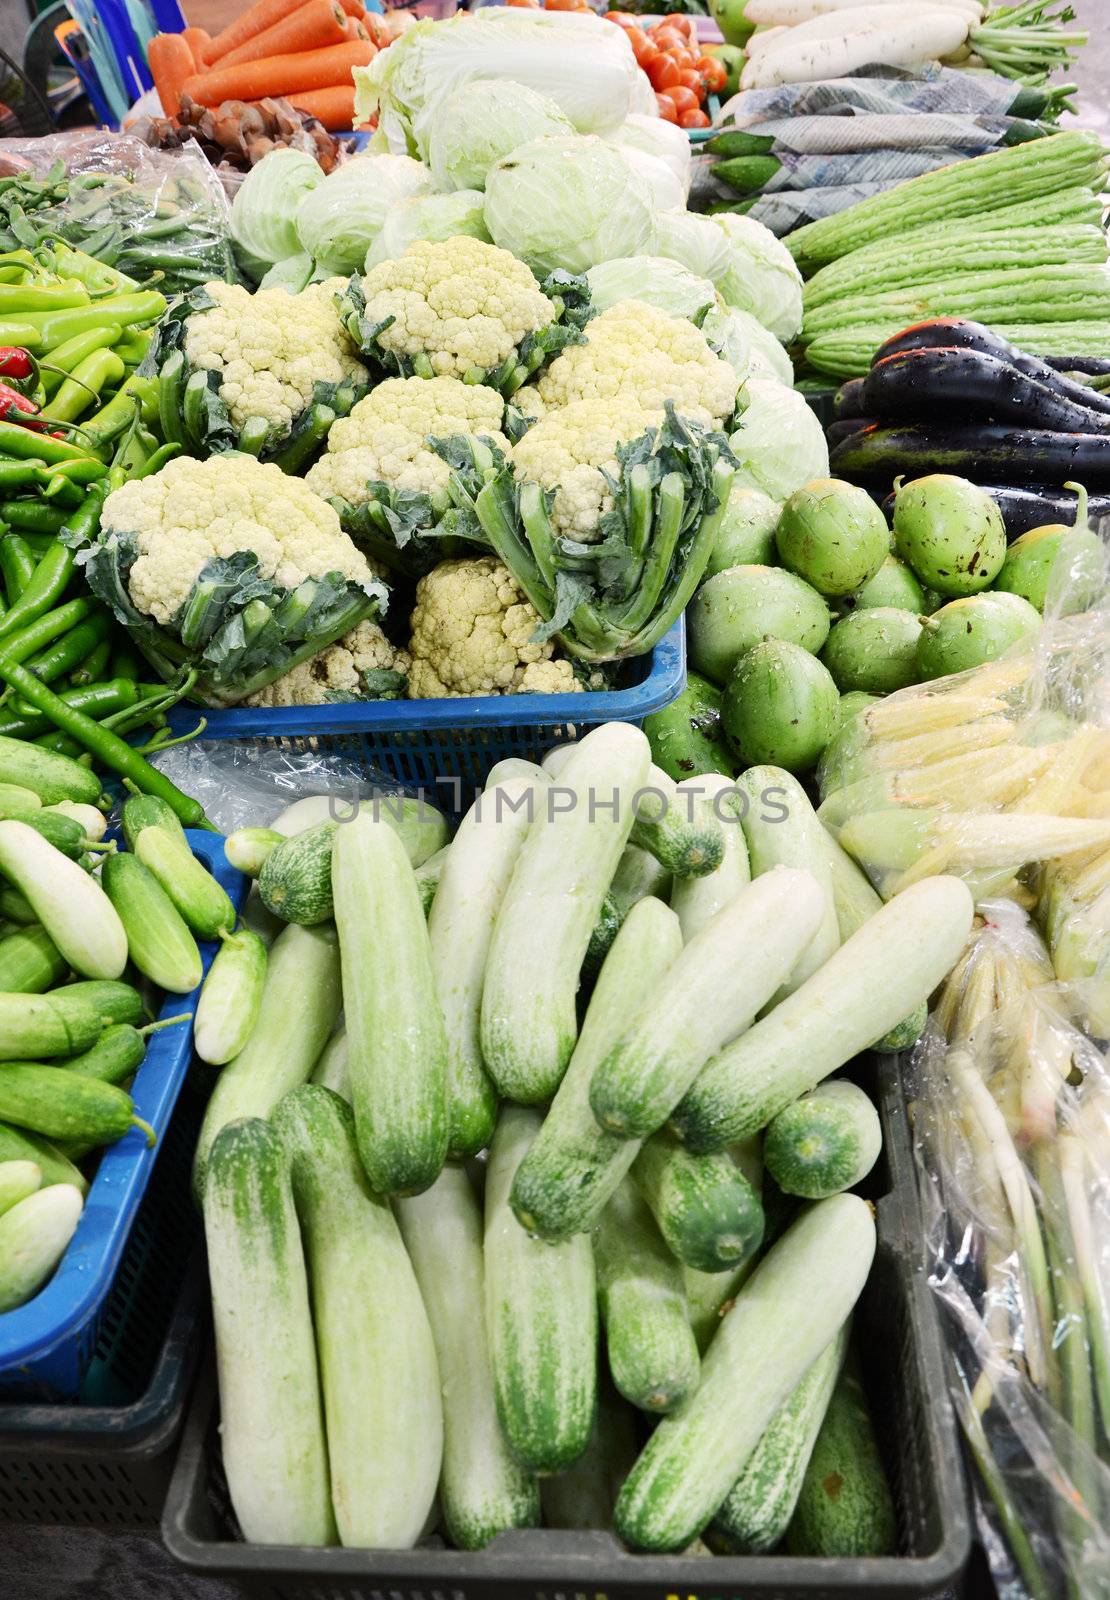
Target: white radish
x: 906, y: 41
x: 788, y: 13
x: 763, y: 39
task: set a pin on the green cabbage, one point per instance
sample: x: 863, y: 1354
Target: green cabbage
x: 430, y: 216
x: 746, y: 345
x: 339, y: 221
x: 480, y: 123
x: 655, y: 280
x: 568, y: 203
x: 762, y: 277
x: 663, y: 140
x: 694, y: 241
x: 263, y: 228
x: 780, y: 443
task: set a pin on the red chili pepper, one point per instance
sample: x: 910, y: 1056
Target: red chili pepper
x: 16, y: 363
x: 16, y: 407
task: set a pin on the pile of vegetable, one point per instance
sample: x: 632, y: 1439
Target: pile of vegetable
x: 468, y: 1357
x: 236, y: 134
x: 679, y: 71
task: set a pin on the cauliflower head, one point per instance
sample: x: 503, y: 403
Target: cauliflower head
x: 636, y: 351
x: 191, y: 511
x: 337, y: 673
x: 573, y: 450
x: 271, y: 348
x: 385, y: 438
x: 463, y: 304
x: 472, y: 634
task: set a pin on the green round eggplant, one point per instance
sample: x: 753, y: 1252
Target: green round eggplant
x: 747, y: 532
x: 893, y: 585
x: 950, y: 532
x: 1067, y: 563
x: 686, y: 737
x: 968, y: 632
x: 833, y: 535
x: 742, y: 605
x: 780, y: 707
x: 873, y: 650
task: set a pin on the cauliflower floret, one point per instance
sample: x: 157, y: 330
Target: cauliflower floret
x: 472, y: 634
x: 528, y: 402
x: 193, y: 510
x: 572, y: 449
x: 638, y: 351
x: 338, y: 670
x: 463, y: 303
x: 385, y: 437
x: 271, y: 348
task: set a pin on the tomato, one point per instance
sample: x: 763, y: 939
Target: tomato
x: 668, y: 39
x: 663, y: 73
x: 714, y: 72
x: 642, y: 47
x: 684, y: 23
x: 691, y: 78
x: 684, y: 99
x: 624, y: 19
x: 667, y: 108
x: 693, y: 119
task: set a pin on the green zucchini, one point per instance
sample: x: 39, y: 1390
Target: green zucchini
x: 378, y: 1371
x: 18, y: 802
x: 549, y: 910
x: 845, y: 1507
x: 66, y: 1105
x: 878, y: 975
x: 194, y: 891
x: 275, y: 1457
x: 34, y: 1235
x: 30, y: 962
x: 782, y: 829
x: 248, y: 848
x: 697, y: 900
x: 541, y: 1318
x: 710, y: 993
x: 573, y: 1166
x: 68, y: 902
x: 33, y: 1025
x: 471, y: 890
x: 706, y: 1209
x: 52, y: 777
x: 653, y: 1357
x: 482, y: 1490
x: 300, y: 1003
x: 825, y: 1142
x: 230, y: 1000
x: 801, y: 1293
x: 755, y: 1516
x: 16, y: 1144
x: 148, y: 811
x: 113, y: 1000
x: 583, y: 1497
x: 159, y: 943
x: 18, y: 1179
x: 330, y: 1072
x: 396, y: 1041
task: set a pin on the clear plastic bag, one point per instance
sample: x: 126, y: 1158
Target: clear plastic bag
x: 1011, y: 1114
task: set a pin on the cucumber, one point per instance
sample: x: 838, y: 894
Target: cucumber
x: 158, y: 941
x: 878, y: 975
x: 845, y: 1507
x: 15, y: 907
x: 16, y: 1144
x: 573, y: 1166
x: 709, y: 1296
x: 34, y: 1235
x: 548, y: 914
x: 638, y: 874
x: 66, y: 1105
x: 825, y: 1142
x: 18, y: 1179
x: 295, y: 878
x: 113, y: 1001
x: 63, y: 833
x: 471, y: 890
x: 114, y: 1057
x: 378, y: 1371
x: 782, y: 829
x: 52, y: 777
x: 330, y: 1072
x: 230, y: 1000
x: 427, y: 877
x: 705, y: 1208
x: 513, y: 767
x: 606, y: 928
x: 94, y: 824
x: 275, y: 1457
x: 584, y: 1496
x: 697, y: 900
x: 483, y: 1490
x: 148, y: 811
x: 69, y: 904
x: 30, y: 962
x: 755, y: 1516
x: 905, y: 1034
x: 785, y: 1315
x: 248, y: 848
x: 420, y: 827
x: 710, y: 993
x: 201, y: 901
x: 396, y: 1041
x: 300, y: 1003
x: 18, y: 802
x: 541, y: 1318
x: 652, y: 1353
x: 34, y: 1025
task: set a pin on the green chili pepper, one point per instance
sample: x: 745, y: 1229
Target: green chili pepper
x: 15, y: 473
x: 87, y: 470
x: 18, y: 297
x: 124, y: 664
x: 25, y: 334
x: 16, y: 440
x: 94, y: 700
x: 69, y: 355
x: 70, y: 262
x: 123, y: 310
x: 94, y: 667
x: 58, y: 489
x: 70, y: 651
x: 111, y: 420
x: 50, y: 577
x: 31, y: 516
x: 17, y: 565
x: 98, y: 371
x: 28, y: 641
x: 134, y: 346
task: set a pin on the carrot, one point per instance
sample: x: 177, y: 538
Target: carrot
x: 353, y: 8
x: 263, y: 14
x: 378, y: 29
x: 199, y: 41
x: 313, y: 26
x: 355, y: 29
x: 334, y: 107
x: 170, y: 61
x: 281, y: 75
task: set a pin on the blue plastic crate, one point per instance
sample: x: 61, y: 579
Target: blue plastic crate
x: 47, y: 1344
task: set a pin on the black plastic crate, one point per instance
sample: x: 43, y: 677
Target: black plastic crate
x: 105, y: 1460
x: 899, y: 1337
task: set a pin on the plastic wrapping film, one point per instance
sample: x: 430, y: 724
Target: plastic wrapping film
x: 1010, y: 1102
